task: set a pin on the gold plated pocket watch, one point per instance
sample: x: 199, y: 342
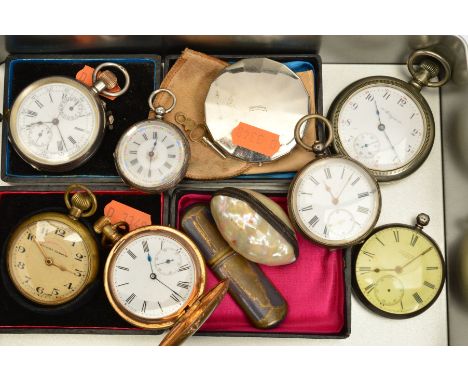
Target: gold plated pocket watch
x: 153, y: 155
x: 51, y: 258
x: 385, y: 123
x: 154, y: 278
x: 333, y: 200
x: 57, y: 123
x: 399, y: 271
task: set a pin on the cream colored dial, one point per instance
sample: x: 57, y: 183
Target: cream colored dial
x: 48, y: 261
x: 399, y: 271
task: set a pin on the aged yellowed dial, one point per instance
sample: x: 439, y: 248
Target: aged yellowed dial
x: 399, y: 270
x: 51, y: 257
x: 49, y: 261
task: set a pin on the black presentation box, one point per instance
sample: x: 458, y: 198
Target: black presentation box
x: 131, y: 107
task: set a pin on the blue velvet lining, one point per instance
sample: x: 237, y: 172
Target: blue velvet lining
x: 64, y: 61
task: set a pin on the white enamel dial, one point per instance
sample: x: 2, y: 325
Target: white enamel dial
x: 152, y: 155
x: 152, y: 276
x: 382, y: 127
x: 55, y: 123
x: 335, y: 201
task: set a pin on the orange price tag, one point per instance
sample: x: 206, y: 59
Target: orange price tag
x: 121, y: 212
x: 255, y: 139
x: 85, y: 76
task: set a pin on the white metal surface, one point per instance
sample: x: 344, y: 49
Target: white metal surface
x: 402, y: 201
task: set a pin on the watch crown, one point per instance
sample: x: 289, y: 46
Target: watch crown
x: 109, y: 79
x: 111, y: 233
x: 80, y: 202
x: 422, y: 220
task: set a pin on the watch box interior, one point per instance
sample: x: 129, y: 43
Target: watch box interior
x: 93, y: 315
x: 131, y: 107
x: 297, y: 63
x: 316, y: 286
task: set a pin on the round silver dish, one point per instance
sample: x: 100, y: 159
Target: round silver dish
x: 261, y: 93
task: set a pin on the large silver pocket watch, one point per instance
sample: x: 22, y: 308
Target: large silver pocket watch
x: 57, y: 123
x: 333, y: 201
x: 385, y: 123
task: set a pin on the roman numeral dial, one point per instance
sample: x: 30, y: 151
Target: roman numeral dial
x: 399, y: 271
x: 57, y: 123
x: 152, y: 155
x: 334, y: 201
x: 152, y: 275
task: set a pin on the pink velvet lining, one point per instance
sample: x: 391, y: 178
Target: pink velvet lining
x: 313, y: 286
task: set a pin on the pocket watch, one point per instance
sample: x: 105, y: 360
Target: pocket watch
x: 385, y: 123
x: 153, y: 155
x: 399, y: 271
x: 333, y: 200
x: 154, y: 278
x: 51, y: 258
x: 57, y: 123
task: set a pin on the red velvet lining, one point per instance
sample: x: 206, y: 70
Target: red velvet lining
x: 313, y: 286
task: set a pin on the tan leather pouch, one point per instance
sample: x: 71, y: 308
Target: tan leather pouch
x: 190, y: 79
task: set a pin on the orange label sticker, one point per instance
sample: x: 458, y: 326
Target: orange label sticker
x: 121, y: 212
x: 255, y: 139
x: 85, y: 76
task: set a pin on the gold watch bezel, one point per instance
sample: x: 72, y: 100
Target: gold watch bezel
x: 199, y: 280
x: 88, y: 240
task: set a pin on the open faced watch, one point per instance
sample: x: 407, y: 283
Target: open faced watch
x: 333, y: 200
x: 385, y: 123
x: 152, y: 155
x: 57, y: 124
x: 399, y: 271
x: 51, y: 259
x: 154, y: 278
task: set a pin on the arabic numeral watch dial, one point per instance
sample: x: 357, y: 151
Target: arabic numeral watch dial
x: 51, y: 258
x: 333, y: 200
x: 57, y: 124
x: 385, y: 123
x: 153, y: 155
x: 154, y: 278
x: 399, y: 271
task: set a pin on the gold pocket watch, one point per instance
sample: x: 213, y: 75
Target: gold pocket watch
x: 154, y: 278
x: 385, y: 123
x: 333, y: 200
x: 57, y: 123
x: 153, y: 155
x: 399, y: 271
x: 51, y: 258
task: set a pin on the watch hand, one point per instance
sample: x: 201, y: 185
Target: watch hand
x: 347, y: 182
x: 149, y: 258
x: 38, y: 123
x: 56, y: 124
x: 390, y: 142
x: 172, y: 290
x: 377, y: 111
x: 48, y: 260
x: 328, y: 189
x: 165, y: 262
x: 414, y: 258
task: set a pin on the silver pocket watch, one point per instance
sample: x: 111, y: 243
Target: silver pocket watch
x: 152, y: 155
x: 333, y: 200
x: 57, y: 123
x: 385, y: 123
